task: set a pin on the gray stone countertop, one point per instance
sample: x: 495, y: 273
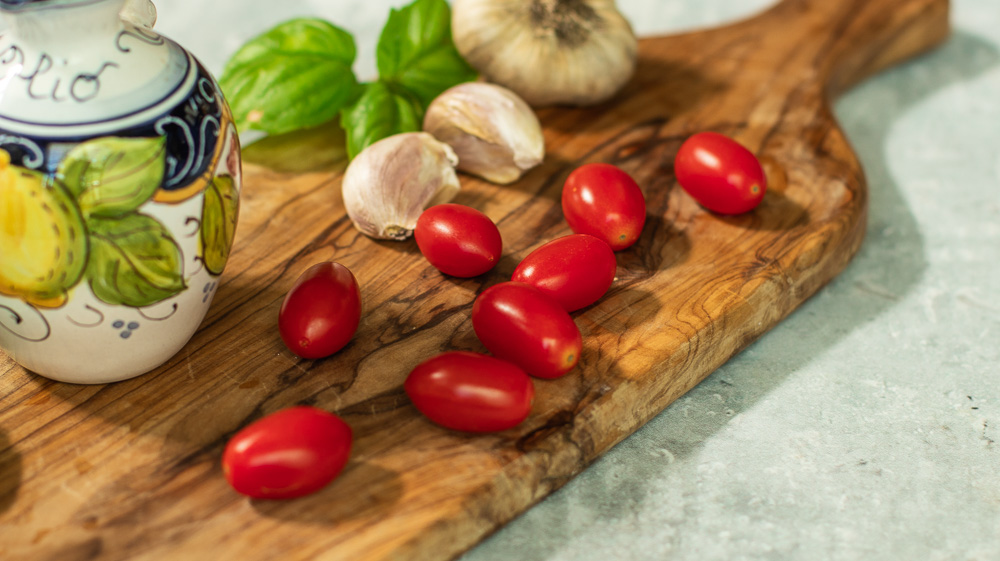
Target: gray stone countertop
x: 864, y: 426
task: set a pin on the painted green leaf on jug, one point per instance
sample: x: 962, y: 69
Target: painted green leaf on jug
x: 218, y: 222
x: 112, y: 176
x: 133, y: 261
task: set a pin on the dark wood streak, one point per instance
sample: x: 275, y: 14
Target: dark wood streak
x: 132, y: 469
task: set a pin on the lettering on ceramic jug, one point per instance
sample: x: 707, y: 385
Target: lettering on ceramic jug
x: 43, y: 83
x: 144, y: 35
x: 87, y: 86
x: 11, y: 54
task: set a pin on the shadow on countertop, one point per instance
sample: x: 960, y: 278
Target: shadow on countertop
x: 890, y: 264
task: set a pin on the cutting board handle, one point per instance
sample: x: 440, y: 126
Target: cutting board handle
x: 861, y: 37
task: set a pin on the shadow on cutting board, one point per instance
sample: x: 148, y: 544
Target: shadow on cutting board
x: 615, y: 486
x: 10, y: 471
x: 381, y: 487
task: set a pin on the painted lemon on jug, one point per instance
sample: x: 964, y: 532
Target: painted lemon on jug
x: 84, y: 222
x: 120, y: 180
x: 43, y: 241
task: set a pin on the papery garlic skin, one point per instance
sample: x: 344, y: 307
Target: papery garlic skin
x: 391, y: 182
x: 549, y: 52
x: 495, y: 134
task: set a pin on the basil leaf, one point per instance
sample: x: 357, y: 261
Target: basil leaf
x: 218, y: 222
x: 110, y: 176
x: 381, y: 111
x: 296, y: 75
x: 416, y: 51
x: 133, y: 261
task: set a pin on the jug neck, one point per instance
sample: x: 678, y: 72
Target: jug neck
x: 61, y: 27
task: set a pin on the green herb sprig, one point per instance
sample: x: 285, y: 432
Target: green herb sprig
x: 299, y: 75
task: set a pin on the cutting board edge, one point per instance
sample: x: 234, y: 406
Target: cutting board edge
x: 539, y: 462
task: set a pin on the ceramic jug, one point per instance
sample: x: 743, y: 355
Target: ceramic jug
x: 119, y: 191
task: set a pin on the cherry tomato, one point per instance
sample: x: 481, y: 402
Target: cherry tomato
x: 287, y: 454
x: 604, y: 201
x: 517, y: 322
x: 574, y: 270
x: 458, y: 240
x: 720, y: 173
x: 471, y: 392
x: 321, y: 312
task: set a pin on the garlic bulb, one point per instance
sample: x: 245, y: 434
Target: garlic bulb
x: 575, y: 52
x: 391, y: 182
x: 139, y: 12
x: 495, y: 134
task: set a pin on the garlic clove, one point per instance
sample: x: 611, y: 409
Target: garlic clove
x: 391, y: 182
x: 495, y: 134
x: 573, y: 52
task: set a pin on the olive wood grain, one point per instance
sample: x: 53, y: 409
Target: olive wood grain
x: 131, y: 470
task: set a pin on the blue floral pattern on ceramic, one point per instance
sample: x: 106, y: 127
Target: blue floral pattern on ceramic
x: 119, y: 188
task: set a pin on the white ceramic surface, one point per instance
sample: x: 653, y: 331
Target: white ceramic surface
x: 119, y: 186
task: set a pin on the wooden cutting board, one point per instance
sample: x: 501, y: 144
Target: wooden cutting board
x: 131, y: 470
